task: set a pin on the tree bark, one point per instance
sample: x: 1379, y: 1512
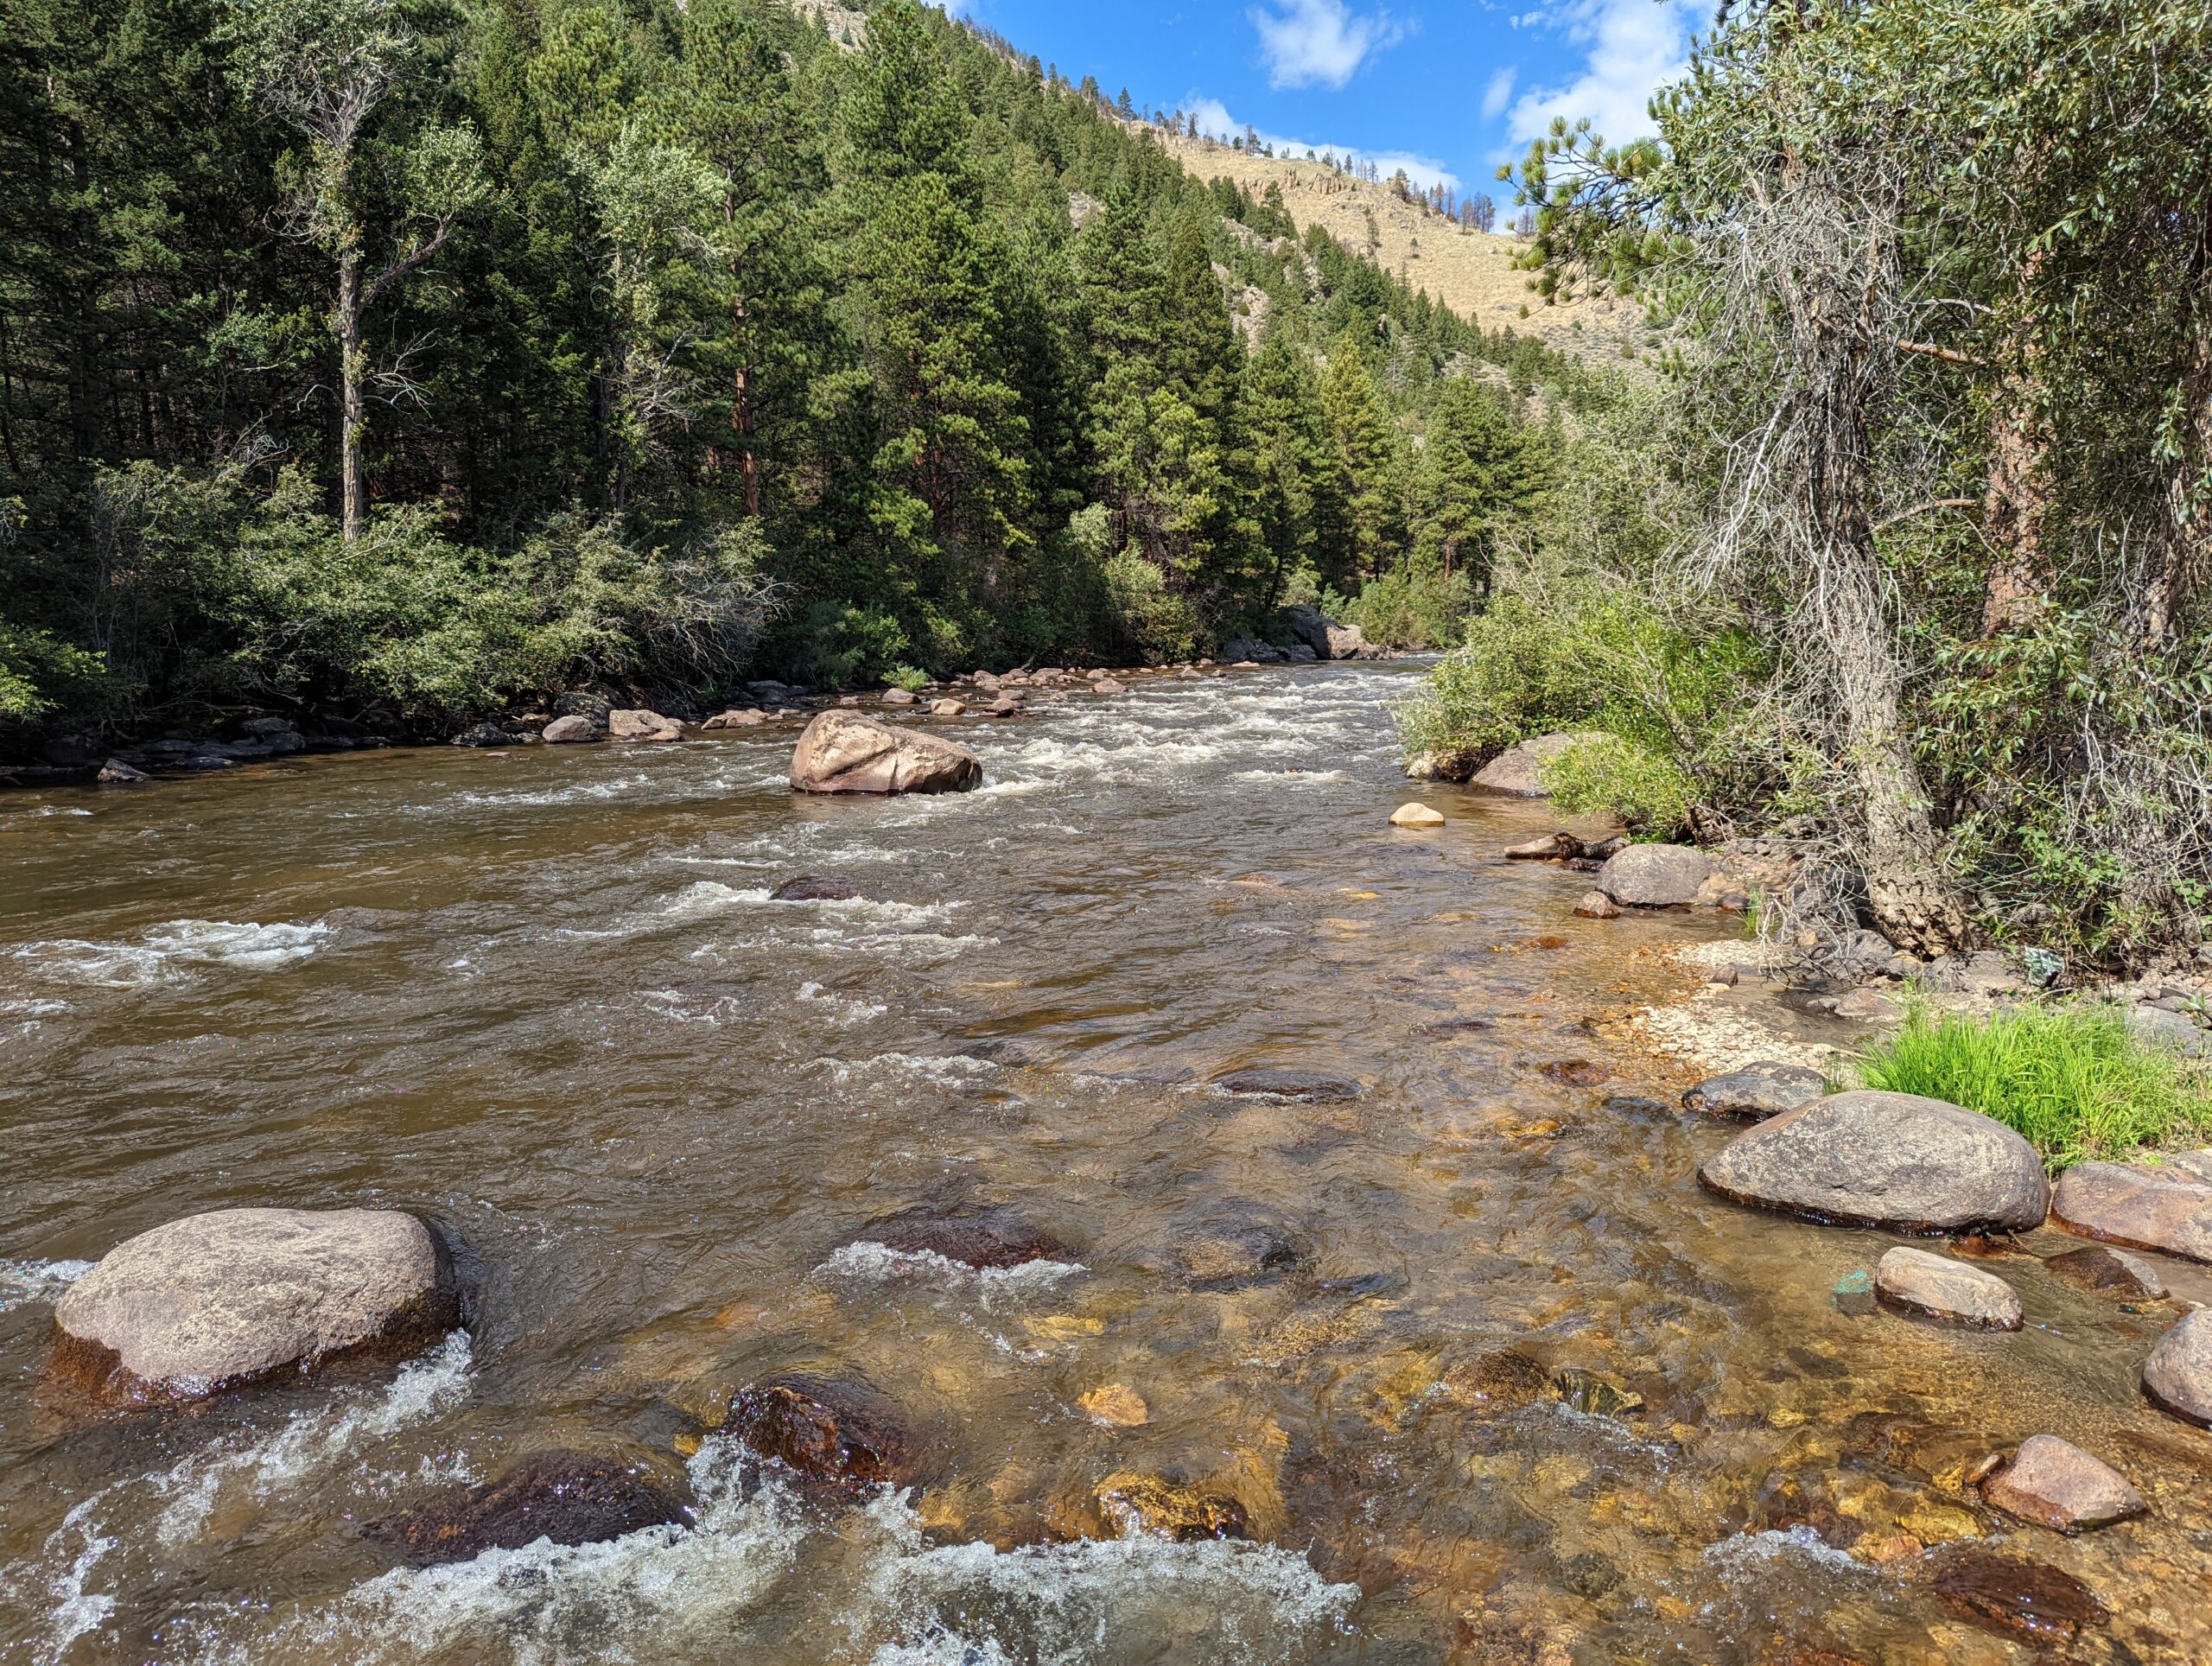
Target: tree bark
x: 352, y: 371
x: 2018, y: 499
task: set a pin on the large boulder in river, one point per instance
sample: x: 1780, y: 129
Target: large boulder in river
x: 1655, y: 876
x: 638, y: 724
x: 1519, y: 771
x: 2178, y: 1374
x: 2143, y: 1206
x: 568, y: 1497
x: 216, y: 1301
x: 1887, y: 1160
x: 843, y: 751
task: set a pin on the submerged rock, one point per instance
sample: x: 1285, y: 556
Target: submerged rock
x: 2178, y: 1374
x: 1518, y: 772
x: 1116, y: 1405
x: 481, y: 735
x: 2143, y: 1206
x: 1288, y: 1084
x: 1945, y: 1289
x: 1596, y: 904
x: 845, y: 1432
x: 973, y: 1237
x: 1759, y: 1090
x: 116, y: 773
x: 1887, y: 1160
x: 1596, y: 1394
x: 818, y: 887
x: 2021, y: 1599
x: 214, y: 1301
x: 2099, y: 1268
x: 843, y: 751
x: 1552, y: 847
x: 1501, y: 1380
x: 569, y: 1497
x: 1655, y: 876
x: 1134, y: 1504
x: 1237, y: 1244
x: 2055, y: 1484
x: 736, y: 718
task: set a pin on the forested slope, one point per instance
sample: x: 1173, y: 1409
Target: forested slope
x: 377, y: 356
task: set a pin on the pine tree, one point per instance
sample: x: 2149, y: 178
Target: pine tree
x: 1366, y: 468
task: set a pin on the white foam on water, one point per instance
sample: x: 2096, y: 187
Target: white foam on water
x: 870, y: 1263
x: 577, y: 793
x: 840, y: 1010
x: 662, y: 1589
x: 22, y: 1282
x: 950, y: 1070
x: 688, y: 1007
x: 1745, y: 1554
x: 704, y: 897
x: 1293, y: 777
x: 172, y: 949
x: 1139, y: 1598
x: 76, y: 1610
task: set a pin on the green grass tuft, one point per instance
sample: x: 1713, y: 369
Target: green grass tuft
x: 2071, y: 1080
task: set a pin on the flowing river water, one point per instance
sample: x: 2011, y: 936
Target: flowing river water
x: 547, y: 1000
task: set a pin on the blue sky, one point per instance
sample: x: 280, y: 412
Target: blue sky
x: 1448, y: 89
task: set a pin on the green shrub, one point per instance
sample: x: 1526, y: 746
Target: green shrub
x: 1416, y: 611
x: 907, y: 677
x: 1158, y: 624
x: 2071, y: 1080
x: 1610, y: 776
x: 1516, y: 674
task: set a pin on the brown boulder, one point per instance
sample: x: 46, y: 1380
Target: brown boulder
x: 1552, y: 847
x: 2055, y: 1485
x: 842, y: 752
x: 1596, y: 904
x: 2178, y: 1374
x: 2025, y: 1600
x: 568, y: 1497
x: 2099, y: 1268
x: 845, y: 1433
x: 640, y: 725
x: 2143, y: 1206
x: 214, y: 1301
x: 740, y: 717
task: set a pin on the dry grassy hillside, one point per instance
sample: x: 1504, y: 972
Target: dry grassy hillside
x: 1471, y: 272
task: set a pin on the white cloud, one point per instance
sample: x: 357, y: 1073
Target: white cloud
x: 1215, y: 120
x: 1496, y: 94
x: 1630, y: 48
x: 1309, y: 42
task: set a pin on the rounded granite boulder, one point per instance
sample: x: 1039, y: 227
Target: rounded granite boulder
x: 218, y: 1300
x: 1893, y: 1161
x: 843, y: 751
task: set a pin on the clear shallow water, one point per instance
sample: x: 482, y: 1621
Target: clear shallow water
x: 548, y: 1000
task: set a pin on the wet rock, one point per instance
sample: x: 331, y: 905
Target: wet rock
x: 973, y: 1237
x: 1499, y: 1381
x: 1238, y: 1244
x: 2111, y: 1270
x: 846, y: 1433
x: 1415, y: 815
x: 1552, y: 847
x: 2176, y: 1031
x: 736, y: 718
x: 1596, y: 1394
x: 1450, y: 1028
x: 570, y: 731
x: 842, y: 752
x: 1887, y: 1160
x: 1519, y: 771
x: 1596, y: 904
x: 1134, y: 1504
x: 1760, y: 1091
x: 899, y: 697
x: 2055, y: 1484
x: 818, y: 887
x: 2143, y: 1206
x: 2178, y: 1374
x: 1288, y: 1084
x: 637, y: 724
x: 116, y: 773
x: 1573, y: 1072
x: 1635, y: 1104
x: 213, y: 1301
x: 1590, y: 1575
x: 482, y: 735
x: 1655, y: 876
x: 583, y: 704
x: 1107, y: 685
x: 1007, y: 705
x: 1116, y: 1405
x: 1938, y: 1287
x: 947, y: 708
x: 569, y: 1497
x: 2019, y: 1599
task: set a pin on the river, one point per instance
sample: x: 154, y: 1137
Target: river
x: 547, y: 1000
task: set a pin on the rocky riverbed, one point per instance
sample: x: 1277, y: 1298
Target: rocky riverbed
x: 1143, y: 1206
